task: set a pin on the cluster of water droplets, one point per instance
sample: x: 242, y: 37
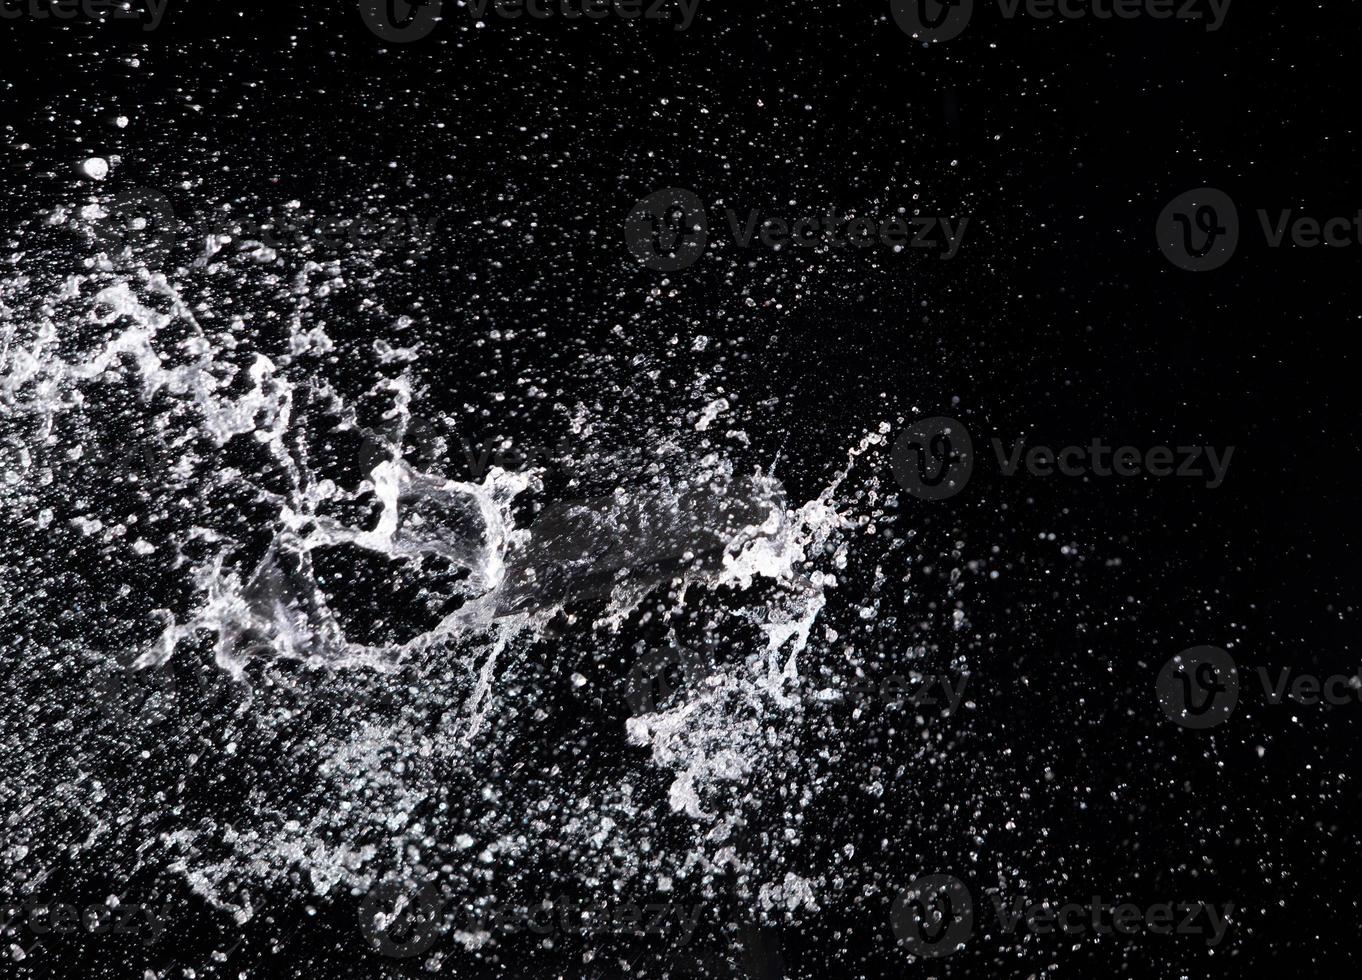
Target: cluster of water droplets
x: 379, y: 632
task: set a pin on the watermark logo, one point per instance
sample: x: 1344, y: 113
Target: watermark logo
x: 423, y: 446
x: 633, y: 541
x: 137, y: 230
x: 404, y: 21
x: 131, y: 688
x: 1200, y: 688
x: 401, y: 923
x: 481, y: 457
x: 390, y: 441
x: 944, y: 692
x: 659, y: 674
x: 934, y: 916
x: 934, y: 459
x: 401, y: 21
x: 1199, y: 231
x: 95, y: 461
x: 932, y: 20
x: 942, y: 20
x: 404, y: 922
x: 1207, y: 463
x: 669, y: 229
x: 149, y: 12
x: 132, y: 695
x: 47, y: 918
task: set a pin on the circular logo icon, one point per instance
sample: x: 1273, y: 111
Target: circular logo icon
x: 934, y: 916
x: 127, y: 696
x: 400, y: 922
x: 151, y: 695
x: 661, y: 673
x: 933, y: 459
x: 401, y: 21
x: 1199, y: 230
x: 1199, y: 688
x: 668, y: 230
x: 137, y: 229
x: 932, y: 20
x: 386, y: 444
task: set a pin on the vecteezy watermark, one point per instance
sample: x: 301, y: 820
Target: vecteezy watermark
x: 945, y: 692
x: 486, y: 454
x: 1201, y: 230
x: 392, y: 440
x: 934, y: 459
x: 99, y: 462
x: 130, y: 695
x: 1100, y: 459
x: 401, y: 922
x: 669, y: 229
x: 404, y: 21
x: 149, y: 12
x: 137, y: 227
x: 130, y: 688
x: 941, y: 20
x: 582, y: 550
x: 660, y: 674
x: 935, y: 916
x: 463, y: 457
x: 1200, y: 688
x: 60, y: 918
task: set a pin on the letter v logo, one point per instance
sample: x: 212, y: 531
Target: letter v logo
x: 1199, y: 230
x: 932, y: 20
x: 401, y: 21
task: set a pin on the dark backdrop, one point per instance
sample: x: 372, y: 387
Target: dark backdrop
x: 1060, y: 320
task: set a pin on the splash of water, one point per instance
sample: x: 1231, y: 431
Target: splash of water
x: 483, y: 571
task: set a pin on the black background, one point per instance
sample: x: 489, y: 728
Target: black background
x: 1060, y: 321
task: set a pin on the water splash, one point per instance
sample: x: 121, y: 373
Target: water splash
x: 289, y: 522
